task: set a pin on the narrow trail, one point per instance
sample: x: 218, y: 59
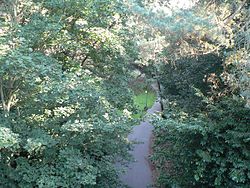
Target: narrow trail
x: 139, y: 174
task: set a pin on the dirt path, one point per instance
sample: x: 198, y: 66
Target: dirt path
x: 139, y: 174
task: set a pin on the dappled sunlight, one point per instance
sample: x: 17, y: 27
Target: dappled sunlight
x: 77, y: 77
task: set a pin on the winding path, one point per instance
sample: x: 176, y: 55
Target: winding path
x: 139, y: 174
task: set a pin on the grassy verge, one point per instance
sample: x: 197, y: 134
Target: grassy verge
x: 144, y: 101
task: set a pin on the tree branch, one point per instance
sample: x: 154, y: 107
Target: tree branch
x: 231, y: 16
x: 2, y: 95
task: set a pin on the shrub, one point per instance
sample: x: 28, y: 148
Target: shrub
x: 208, y: 151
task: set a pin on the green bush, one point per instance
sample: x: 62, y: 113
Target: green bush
x: 208, y: 151
x: 69, y: 143
x: 187, y: 79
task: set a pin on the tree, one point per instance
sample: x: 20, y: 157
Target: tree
x: 206, y: 127
x: 63, y: 90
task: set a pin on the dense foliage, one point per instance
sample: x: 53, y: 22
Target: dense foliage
x: 205, y: 151
x: 65, y: 102
x: 203, y: 140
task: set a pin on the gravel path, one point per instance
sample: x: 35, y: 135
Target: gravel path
x: 139, y: 173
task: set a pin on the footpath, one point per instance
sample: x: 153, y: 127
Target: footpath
x: 139, y: 172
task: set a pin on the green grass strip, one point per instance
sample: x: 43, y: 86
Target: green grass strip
x: 144, y: 101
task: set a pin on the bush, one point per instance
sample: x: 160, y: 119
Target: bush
x: 63, y: 137
x: 208, y: 151
x: 188, y: 79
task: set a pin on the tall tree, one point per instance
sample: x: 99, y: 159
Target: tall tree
x: 64, y: 113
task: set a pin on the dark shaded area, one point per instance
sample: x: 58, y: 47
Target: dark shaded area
x: 187, y: 79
